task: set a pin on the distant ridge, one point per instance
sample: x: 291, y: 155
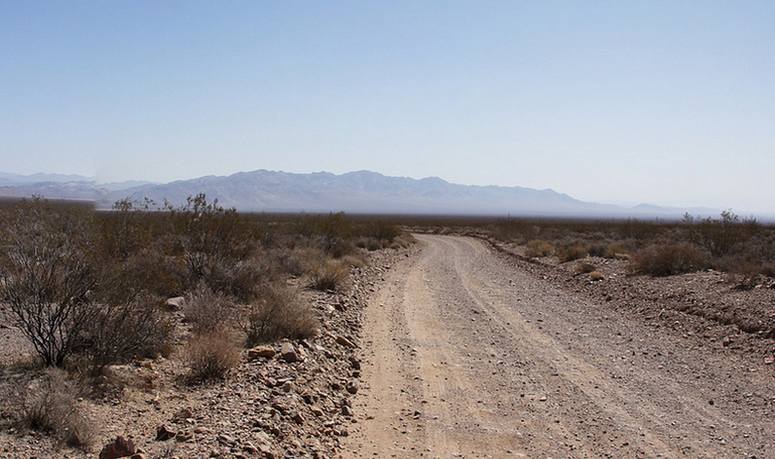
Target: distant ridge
x: 355, y: 192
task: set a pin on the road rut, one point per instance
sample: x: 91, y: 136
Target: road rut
x: 466, y: 355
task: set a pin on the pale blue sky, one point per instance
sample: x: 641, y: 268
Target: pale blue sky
x: 668, y: 102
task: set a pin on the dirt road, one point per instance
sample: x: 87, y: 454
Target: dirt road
x: 466, y: 355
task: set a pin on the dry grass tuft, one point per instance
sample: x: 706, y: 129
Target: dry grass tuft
x: 330, y: 275
x: 207, y: 311
x: 279, y: 314
x: 51, y: 406
x: 212, y: 355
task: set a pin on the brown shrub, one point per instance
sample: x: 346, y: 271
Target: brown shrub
x: 211, y: 356
x: 585, y: 268
x: 118, y: 333
x: 51, y: 406
x: 571, y: 251
x: 301, y: 260
x: 279, y: 314
x: 539, y: 248
x: 330, y: 275
x: 207, y: 311
x: 46, y: 279
x: 669, y: 259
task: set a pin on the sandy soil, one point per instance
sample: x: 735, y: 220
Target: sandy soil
x: 466, y: 354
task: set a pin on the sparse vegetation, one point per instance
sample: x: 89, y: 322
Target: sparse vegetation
x: 279, y: 314
x: 210, y: 356
x: 51, y: 406
x: 330, y: 275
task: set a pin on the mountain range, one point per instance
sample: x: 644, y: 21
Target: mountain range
x: 354, y: 192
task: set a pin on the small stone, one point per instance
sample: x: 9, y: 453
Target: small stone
x: 344, y: 341
x: 175, y: 304
x: 288, y: 353
x: 261, y: 352
x: 163, y: 433
x: 120, y: 447
x: 352, y: 387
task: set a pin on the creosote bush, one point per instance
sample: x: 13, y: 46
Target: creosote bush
x: 669, y: 259
x: 47, y: 279
x: 538, y: 248
x: 120, y: 332
x: 279, y: 314
x: 570, y: 251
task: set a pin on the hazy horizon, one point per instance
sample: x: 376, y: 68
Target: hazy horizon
x: 669, y: 103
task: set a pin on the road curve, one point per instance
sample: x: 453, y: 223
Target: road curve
x: 466, y: 355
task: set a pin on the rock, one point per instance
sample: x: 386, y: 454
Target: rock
x: 298, y: 418
x: 288, y: 353
x: 175, y: 304
x: 344, y: 341
x: 354, y: 363
x: 163, y: 433
x: 352, y: 387
x: 120, y: 447
x: 226, y: 439
x: 263, y: 352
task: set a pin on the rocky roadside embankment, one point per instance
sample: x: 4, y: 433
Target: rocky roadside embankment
x: 288, y: 399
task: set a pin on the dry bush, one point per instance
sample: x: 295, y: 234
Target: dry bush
x: 208, y: 311
x: 46, y: 278
x: 51, y: 406
x: 585, y: 268
x: 669, y: 259
x: 369, y: 243
x: 121, y: 332
x: 301, y: 260
x: 279, y: 314
x: 145, y: 271
x: 539, y: 248
x: 616, y: 250
x: 355, y: 260
x: 212, y: 355
x: 571, y: 251
x: 330, y: 275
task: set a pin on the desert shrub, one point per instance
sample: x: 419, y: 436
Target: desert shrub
x: 719, y: 236
x: 616, y: 249
x: 585, y: 268
x: 539, y: 248
x: 118, y: 333
x: 300, y: 260
x: 330, y: 275
x: 354, y: 260
x: 145, y: 271
x: 212, y: 355
x: 279, y: 314
x: 669, y: 259
x: 380, y: 230
x: 47, y: 278
x: 571, y: 251
x: 208, y: 311
x: 369, y: 243
x: 51, y: 406
x: 238, y: 279
x: 597, y: 249
x: 211, y: 239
